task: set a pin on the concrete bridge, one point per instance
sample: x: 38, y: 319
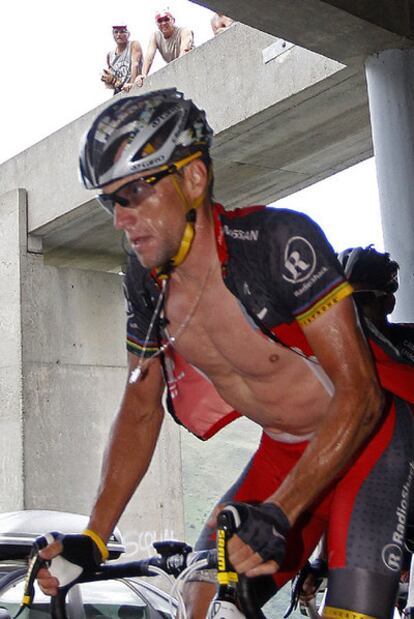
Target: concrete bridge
x: 284, y: 117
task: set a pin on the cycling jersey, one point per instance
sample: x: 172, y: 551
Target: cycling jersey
x: 282, y: 270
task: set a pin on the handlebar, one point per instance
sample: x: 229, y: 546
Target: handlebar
x: 173, y: 558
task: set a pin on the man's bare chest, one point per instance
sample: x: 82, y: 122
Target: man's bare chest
x: 219, y: 335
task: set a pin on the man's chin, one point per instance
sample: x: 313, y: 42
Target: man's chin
x: 147, y: 262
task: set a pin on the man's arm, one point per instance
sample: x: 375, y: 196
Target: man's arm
x: 149, y: 56
x: 136, y: 60
x: 131, y: 444
x: 187, y: 41
x: 353, y: 413
x: 107, y: 75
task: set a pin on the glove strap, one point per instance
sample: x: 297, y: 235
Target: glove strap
x: 98, y: 541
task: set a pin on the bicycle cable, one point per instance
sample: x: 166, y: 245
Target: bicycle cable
x: 181, y: 579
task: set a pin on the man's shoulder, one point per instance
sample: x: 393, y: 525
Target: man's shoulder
x: 270, y: 220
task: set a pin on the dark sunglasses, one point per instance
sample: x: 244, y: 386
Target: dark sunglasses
x: 133, y: 193
x: 164, y: 20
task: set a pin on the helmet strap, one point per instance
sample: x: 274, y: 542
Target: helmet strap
x: 188, y: 234
x: 185, y: 245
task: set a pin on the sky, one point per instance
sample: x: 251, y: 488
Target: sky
x: 54, y: 53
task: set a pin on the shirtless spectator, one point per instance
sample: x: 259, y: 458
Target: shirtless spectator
x: 123, y: 63
x: 170, y: 40
x: 220, y: 22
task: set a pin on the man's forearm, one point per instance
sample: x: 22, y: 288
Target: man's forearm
x: 348, y: 424
x: 126, y: 460
x: 134, y: 73
x: 147, y: 66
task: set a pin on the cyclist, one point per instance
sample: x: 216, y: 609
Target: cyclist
x: 244, y: 313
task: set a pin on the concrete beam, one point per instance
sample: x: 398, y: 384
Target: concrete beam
x: 345, y: 30
x: 281, y: 121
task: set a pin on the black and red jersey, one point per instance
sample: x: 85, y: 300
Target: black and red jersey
x: 284, y: 273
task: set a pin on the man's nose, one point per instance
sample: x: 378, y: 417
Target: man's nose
x: 123, y: 217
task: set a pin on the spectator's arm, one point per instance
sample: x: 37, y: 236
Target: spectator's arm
x: 187, y: 41
x: 136, y: 59
x: 149, y: 56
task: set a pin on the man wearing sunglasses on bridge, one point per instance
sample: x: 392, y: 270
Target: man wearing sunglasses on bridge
x: 245, y: 312
x: 170, y: 40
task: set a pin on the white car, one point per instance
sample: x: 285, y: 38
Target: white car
x: 127, y: 598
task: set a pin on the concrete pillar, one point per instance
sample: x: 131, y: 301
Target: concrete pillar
x: 390, y: 80
x: 12, y: 243
x: 62, y: 372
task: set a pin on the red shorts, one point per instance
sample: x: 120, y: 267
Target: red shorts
x: 361, y: 513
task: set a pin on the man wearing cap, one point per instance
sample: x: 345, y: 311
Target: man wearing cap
x: 124, y: 63
x: 170, y: 40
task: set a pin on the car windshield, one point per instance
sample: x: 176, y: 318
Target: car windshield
x: 111, y: 600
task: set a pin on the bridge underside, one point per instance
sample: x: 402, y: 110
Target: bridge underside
x: 284, y: 117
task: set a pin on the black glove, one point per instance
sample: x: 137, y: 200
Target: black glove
x: 82, y: 552
x: 264, y: 528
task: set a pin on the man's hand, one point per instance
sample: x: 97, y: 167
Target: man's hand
x: 139, y: 80
x: 48, y: 583
x: 69, y: 556
x: 258, y: 547
x: 108, y: 77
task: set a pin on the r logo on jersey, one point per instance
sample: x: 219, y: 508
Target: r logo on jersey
x: 299, y: 260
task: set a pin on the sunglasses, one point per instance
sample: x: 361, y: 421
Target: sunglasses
x: 163, y: 20
x: 132, y: 194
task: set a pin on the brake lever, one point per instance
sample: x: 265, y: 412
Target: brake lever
x: 35, y: 564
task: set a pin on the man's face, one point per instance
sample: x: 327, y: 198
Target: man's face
x: 154, y: 226
x: 165, y: 25
x: 121, y: 35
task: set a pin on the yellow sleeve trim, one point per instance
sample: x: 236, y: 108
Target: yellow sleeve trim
x: 343, y: 290
x: 98, y: 541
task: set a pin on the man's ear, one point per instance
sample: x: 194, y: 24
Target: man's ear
x: 196, y: 178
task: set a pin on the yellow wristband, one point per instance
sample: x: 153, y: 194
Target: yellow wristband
x: 98, y: 541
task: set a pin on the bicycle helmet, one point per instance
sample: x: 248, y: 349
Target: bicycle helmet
x: 156, y: 129
x: 365, y: 265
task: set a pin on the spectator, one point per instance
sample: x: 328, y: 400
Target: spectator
x: 220, y: 22
x: 124, y: 63
x: 170, y: 40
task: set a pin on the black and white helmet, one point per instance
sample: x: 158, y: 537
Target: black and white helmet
x: 154, y: 129
x: 366, y: 265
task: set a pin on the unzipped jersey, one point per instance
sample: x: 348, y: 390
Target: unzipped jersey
x: 284, y: 274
